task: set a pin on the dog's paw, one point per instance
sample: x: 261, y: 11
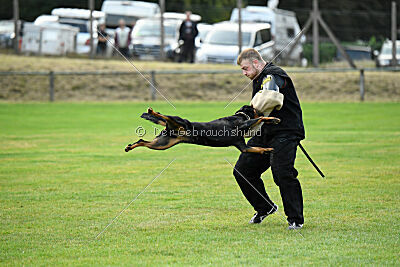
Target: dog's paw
x: 276, y: 121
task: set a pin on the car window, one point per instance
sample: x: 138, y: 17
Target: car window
x: 112, y: 20
x: 290, y: 32
x: 6, y: 27
x: 220, y: 37
x: 262, y: 37
x: 203, y: 34
x: 259, y: 40
x: 153, y: 29
x: 387, y: 49
x: 265, y: 35
x: 82, y: 26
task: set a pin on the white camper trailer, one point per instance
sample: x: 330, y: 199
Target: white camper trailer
x: 49, y: 38
x: 80, y: 18
x: 284, y: 27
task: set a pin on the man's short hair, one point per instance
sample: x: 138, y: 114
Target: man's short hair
x: 249, y: 54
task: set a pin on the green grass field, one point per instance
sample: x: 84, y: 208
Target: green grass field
x: 64, y: 176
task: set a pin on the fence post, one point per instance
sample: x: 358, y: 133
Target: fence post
x: 153, y: 85
x: 239, y: 8
x: 17, y: 25
x: 40, y: 40
x: 162, y: 30
x: 362, y: 87
x: 315, y: 14
x: 51, y: 86
x: 394, y: 33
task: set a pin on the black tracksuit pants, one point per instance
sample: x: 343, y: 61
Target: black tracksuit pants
x: 252, y: 165
x: 187, y: 52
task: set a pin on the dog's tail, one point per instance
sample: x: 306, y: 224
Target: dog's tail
x: 156, y: 120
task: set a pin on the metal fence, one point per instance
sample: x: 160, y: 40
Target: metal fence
x: 152, y: 80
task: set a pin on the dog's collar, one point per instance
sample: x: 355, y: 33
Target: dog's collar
x: 247, y: 116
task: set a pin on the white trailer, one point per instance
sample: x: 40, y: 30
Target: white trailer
x: 80, y: 18
x: 49, y: 39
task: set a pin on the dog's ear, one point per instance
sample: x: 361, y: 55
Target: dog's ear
x: 246, y: 109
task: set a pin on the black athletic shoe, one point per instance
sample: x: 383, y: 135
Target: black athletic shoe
x: 295, y: 226
x: 260, y: 216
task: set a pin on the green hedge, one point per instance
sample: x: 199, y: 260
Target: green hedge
x: 327, y: 52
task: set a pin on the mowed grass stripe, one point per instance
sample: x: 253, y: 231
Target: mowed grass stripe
x: 64, y: 176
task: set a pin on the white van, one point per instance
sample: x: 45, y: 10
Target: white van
x: 384, y: 59
x: 130, y: 11
x: 221, y: 43
x: 284, y: 28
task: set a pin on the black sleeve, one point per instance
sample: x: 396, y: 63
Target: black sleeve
x: 195, y: 30
x: 181, y: 31
x: 280, y: 81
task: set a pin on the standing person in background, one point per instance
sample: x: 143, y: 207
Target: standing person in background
x: 102, y: 40
x: 123, y: 38
x: 187, y: 33
x: 130, y: 33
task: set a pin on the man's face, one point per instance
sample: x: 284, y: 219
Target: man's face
x: 249, y: 68
x: 188, y: 15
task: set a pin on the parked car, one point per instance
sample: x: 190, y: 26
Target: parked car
x: 384, y: 58
x: 284, y: 27
x: 221, y: 43
x: 130, y: 11
x: 146, y: 36
x: 6, y: 33
x: 204, y: 29
x: 355, y: 52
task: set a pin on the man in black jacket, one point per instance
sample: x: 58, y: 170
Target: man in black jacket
x: 187, y: 33
x: 275, y: 95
